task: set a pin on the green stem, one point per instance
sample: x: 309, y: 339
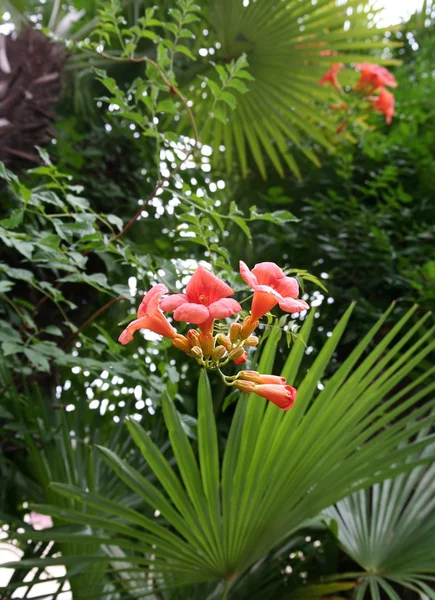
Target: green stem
x: 226, y: 590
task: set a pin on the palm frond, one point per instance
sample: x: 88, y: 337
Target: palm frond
x: 216, y: 519
x: 389, y: 529
x: 285, y: 110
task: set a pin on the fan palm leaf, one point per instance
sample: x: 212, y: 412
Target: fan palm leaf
x: 285, y: 109
x: 218, y: 517
x: 389, y: 529
x: 47, y: 452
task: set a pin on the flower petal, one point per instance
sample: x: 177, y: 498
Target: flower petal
x: 150, y: 301
x: 288, y: 287
x: 293, y: 305
x: 192, y: 313
x: 127, y: 335
x: 267, y: 289
x: 247, y: 275
x: 267, y: 273
x: 242, y: 359
x: 157, y: 323
x: 206, y: 288
x: 224, y: 308
x: 170, y: 303
x: 262, y: 303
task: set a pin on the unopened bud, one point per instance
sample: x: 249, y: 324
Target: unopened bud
x: 236, y: 353
x: 250, y: 376
x: 181, y: 342
x: 252, y: 340
x: 206, y: 341
x: 193, y: 337
x: 248, y: 327
x: 235, y: 329
x: 196, y: 352
x: 218, y: 353
x: 223, y: 340
x: 245, y: 386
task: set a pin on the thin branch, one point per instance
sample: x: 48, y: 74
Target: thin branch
x: 160, y: 184
x: 92, y: 318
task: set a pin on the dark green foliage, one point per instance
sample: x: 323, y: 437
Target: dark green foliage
x: 73, y: 272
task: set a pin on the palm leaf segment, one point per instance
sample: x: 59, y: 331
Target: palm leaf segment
x: 285, y: 108
x: 278, y: 468
x: 389, y: 530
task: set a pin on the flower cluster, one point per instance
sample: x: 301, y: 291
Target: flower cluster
x: 205, y: 300
x: 373, y: 78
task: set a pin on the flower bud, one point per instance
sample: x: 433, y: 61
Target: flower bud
x: 193, y: 337
x: 181, y: 342
x: 250, y: 376
x: 236, y: 353
x: 196, y: 352
x: 283, y: 396
x: 245, y: 386
x: 223, y: 340
x: 272, y: 379
x: 248, y: 327
x: 252, y: 340
x: 218, y: 353
x: 206, y: 341
x: 235, y: 329
x: 241, y: 359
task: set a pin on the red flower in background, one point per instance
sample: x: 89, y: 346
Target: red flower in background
x: 373, y: 77
x: 331, y: 76
x: 149, y: 316
x: 384, y: 103
x: 206, y: 299
x: 328, y: 53
x: 271, y: 287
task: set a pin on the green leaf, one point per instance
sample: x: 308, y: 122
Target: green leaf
x: 229, y: 99
x: 219, y: 114
x: 243, y: 226
x: 117, y: 221
x: 208, y: 451
x: 238, y: 85
x: 24, y: 248
x: 22, y: 274
x: 38, y: 360
x: 14, y: 220
x: 6, y: 286
x: 184, y: 50
x: 278, y: 216
x: 166, y: 106
x: 9, y: 348
x: 215, y: 89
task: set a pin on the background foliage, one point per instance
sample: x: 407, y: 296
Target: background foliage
x: 74, y: 263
